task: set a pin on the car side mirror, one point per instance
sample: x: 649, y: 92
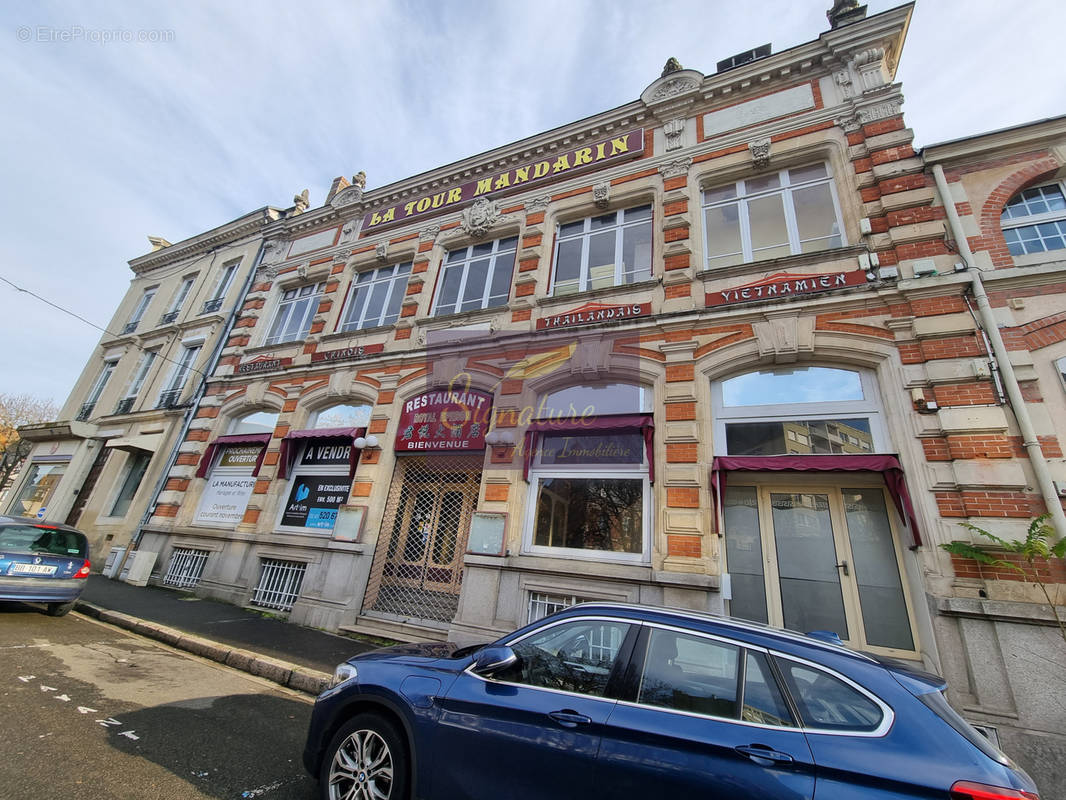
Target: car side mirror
x: 491, y: 660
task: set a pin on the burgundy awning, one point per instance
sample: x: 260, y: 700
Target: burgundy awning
x: 288, y: 452
x: 608, y: 423
x: 229, y: 441
x: 887, y: 465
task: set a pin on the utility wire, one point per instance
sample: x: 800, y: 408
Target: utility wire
x: 18, y: 288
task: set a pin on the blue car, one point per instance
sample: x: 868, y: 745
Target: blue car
x: 42, y: 563
x: 614, y: 701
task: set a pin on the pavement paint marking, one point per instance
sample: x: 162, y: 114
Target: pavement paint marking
x: 26, y: 678
x: 262, y: 789
x: 109, y: 722
x: 86, y: 710
x: 48, y: 688
x: 62, y: 697
x: 130, y: 735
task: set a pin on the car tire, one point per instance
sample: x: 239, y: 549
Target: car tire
x: 367, y: 758
x: 58, y: 609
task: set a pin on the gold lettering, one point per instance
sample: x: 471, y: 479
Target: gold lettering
x: 389, y: 215
x: 375, y: 219
x: 483, y: 185
x: 583, y: 156
x: 409, y: 208
x: 600, y: 150
x: 438, y: 199
x: 503, y: 181
x: 562, y: 164
x: 455, y: 195
x: 521, y: 175
x: 541, y: 169
x: 422, y: 205
x: 619, y: 145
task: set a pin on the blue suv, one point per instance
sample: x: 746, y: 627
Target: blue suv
x: 615, y: 701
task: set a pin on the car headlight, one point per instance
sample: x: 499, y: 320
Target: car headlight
x: 343, y: 673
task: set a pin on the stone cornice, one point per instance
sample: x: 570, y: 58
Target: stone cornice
x: 233, y: 231
x: 1031, y: 135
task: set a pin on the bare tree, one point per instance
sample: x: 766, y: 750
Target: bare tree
x: 17, y: 410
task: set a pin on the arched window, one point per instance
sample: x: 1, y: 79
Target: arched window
x: 1035, y: 220
x: 341, y: 416
x: 256, y: 422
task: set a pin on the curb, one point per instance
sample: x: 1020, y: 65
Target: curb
x: 291, y: 676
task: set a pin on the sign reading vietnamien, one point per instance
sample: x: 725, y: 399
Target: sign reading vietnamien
x: 596, y: 155
x: 784, y: 284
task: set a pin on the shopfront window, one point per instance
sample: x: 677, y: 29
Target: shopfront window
x: 37, y: 488
x: 476, y: 277
x: 598, y: 252
x: 256, y: 422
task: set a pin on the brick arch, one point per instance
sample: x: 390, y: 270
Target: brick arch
x: 991, y: 238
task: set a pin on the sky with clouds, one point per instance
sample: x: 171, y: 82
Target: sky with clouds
x: 231, y: 106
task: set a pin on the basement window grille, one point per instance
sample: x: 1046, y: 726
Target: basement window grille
x: 279, y: 584
x: 186, y: 567
x: 542, y: 604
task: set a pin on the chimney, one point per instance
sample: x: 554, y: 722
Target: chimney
x: 339, y: 183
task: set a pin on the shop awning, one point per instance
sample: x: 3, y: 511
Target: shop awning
x: 887, y: 465
x: 608, y: 423
x: 148, y: 442
x: 231, y: 441
x: 288, y: 446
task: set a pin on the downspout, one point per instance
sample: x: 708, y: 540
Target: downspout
x: 1002, y: 357
x: 194, y: 403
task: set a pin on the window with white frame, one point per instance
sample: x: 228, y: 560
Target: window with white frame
x: 132, y: 475
x: 374, y: 297
x: 783, y: 213
x: 590, y: 490
x: 255, y: 422
x: 343, y: 415
x: 297, y: 308
x: 39, y: 483
x: 598, y: 252
x: 144, y: 366
x: 138, y: 311
x: 799, y: 411
x: 171, y: 393
x: 229, y: 269
x: 1034, y: 220
x: 476, y: 277
x: 179, y: 299
x: 97, y: 389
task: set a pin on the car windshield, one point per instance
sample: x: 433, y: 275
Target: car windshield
x: 33, y: 539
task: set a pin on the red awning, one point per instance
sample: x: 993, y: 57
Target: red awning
x: 608, y: 423
x: 230, y: 441
x: 288, y: 452
x: 887, y: 465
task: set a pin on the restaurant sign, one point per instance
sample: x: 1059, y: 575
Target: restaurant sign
x: 784, y: 284
x: 347, y: 353
x: 262, y: 364
x: 445, y: 420
x: 592, y: 313
x: 560, y: 165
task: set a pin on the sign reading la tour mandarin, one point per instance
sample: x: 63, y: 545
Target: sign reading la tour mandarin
x: 592, y: 156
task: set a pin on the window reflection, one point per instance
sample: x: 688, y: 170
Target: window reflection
x: 800, y: 385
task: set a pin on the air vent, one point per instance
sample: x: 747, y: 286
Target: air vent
x: 743, y: 58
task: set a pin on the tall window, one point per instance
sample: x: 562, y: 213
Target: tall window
x: 179, y: 299
x: 138, y: 311
x: 610, y: 250
x: 96, y: 390
x: 375, y: 297
x: 214, y: 303
x: 1035, y: 220
x: 256, y: 422
x: 136, y: 466
x: 476, y: 277
x: 590, y: 486
x: 784, y: 213
x: 171, y: 394
x: 144, y: 366
x: 295, y: 312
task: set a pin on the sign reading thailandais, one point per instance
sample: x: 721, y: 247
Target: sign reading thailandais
x: 592, y: 156
x: 784, y: 284
x: 591, y: 313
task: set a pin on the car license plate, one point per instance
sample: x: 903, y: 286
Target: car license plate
x: 32, y: 569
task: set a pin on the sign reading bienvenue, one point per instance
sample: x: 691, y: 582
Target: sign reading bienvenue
x: 596, y: 155
x: 591, y: 313
x: 445, y: 420
x: 783, y: 284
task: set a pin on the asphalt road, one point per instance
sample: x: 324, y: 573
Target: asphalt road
x: 90, y: 711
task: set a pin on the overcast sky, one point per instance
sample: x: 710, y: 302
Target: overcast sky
x: 237, y: 105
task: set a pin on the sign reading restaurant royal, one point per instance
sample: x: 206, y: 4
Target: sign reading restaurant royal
x: 591, y: 313
x: 592, y: 156
x: 784, y: 284
x: 446, y: 419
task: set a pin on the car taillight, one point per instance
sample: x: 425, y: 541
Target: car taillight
x: 84, y: 571
x: 968, y: 790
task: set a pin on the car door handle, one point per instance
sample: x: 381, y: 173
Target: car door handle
x: 760, y: 753
x: 570, y: 719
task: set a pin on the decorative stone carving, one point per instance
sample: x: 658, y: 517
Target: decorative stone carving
x: 359, y: 180
x: 844, y: 11
x: 341, y: 256
x: 381, y: 251
x: 843, y: 80
x: 274, y: 251
x: 479, y: 218
x: 674, y: 131
x: 348, y: 231
x: 785, y: 336
x: 760, y: 152
x: 672, y: 65
x: 268, y: 272
x: 674, y: 88
x: 850, y: 124
x: 869, y: 65
x: 871, y: 56
x: 347, y: 197
x: 301, y: 272
x: 601, y: 194
x: 538, y: 203
x: 301, y: 201
x: 429, y: 233
x: 675, y: 169
x: 890, y: 108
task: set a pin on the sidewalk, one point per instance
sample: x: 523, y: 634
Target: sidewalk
x: 300, y: 658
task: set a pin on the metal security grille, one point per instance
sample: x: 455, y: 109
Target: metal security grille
x: 542, y: 604
x: 279, y: 584
x: 418, y: 565
x: 186, y: 567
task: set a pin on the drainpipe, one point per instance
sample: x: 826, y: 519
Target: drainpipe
x: 1002, y: 358
x: 190, y: 412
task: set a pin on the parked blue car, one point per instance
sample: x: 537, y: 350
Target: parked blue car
x: 615, y: 701
x: 42, y: 563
